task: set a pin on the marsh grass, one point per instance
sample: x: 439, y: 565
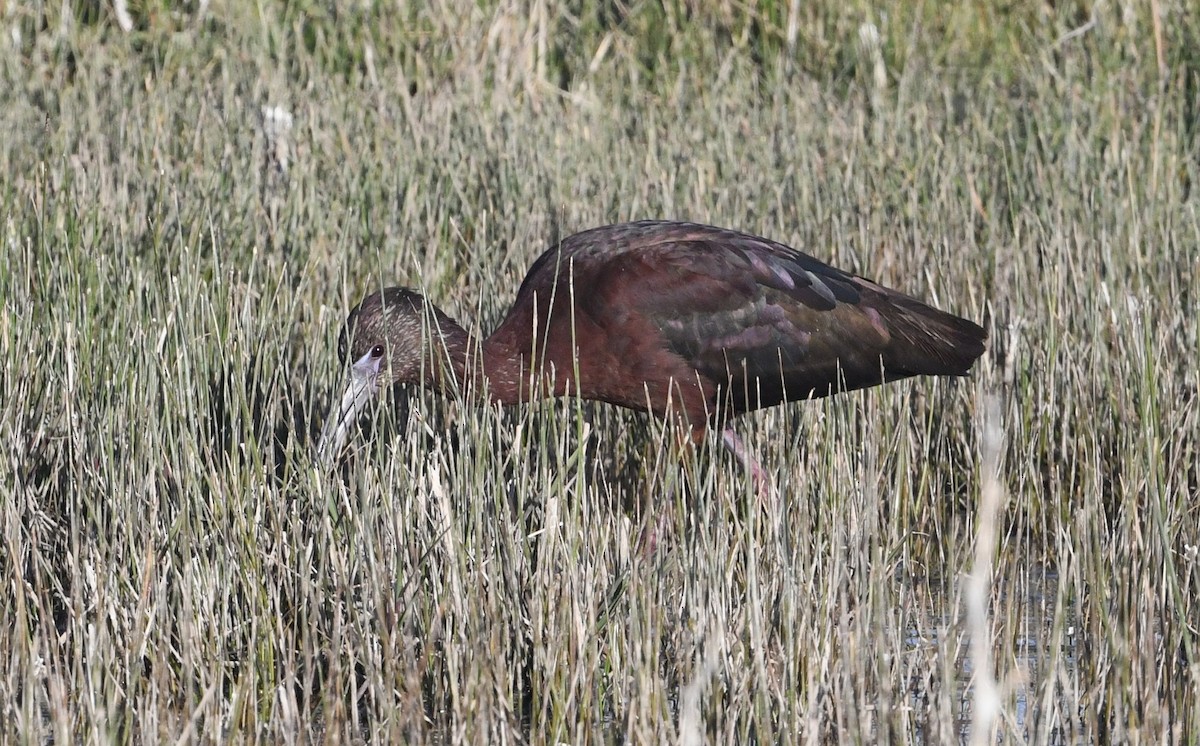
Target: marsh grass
x: 189, y: 208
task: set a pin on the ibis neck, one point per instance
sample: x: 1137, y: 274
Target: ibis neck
x: 487, y: 370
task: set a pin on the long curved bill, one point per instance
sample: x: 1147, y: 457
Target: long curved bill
x: 362, y: 387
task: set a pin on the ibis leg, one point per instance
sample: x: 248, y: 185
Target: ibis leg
x: 658, y: 524
x: 734, y: 444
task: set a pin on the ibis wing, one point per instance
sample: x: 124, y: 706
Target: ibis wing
x: 773, y: 324
x: 760, y: 319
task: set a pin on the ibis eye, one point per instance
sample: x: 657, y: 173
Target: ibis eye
x: 377, y: 352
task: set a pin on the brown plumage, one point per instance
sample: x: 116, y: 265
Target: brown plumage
x: 664, y: 317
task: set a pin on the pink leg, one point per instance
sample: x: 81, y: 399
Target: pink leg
x: 649, y: 540
x: 734, y: 444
